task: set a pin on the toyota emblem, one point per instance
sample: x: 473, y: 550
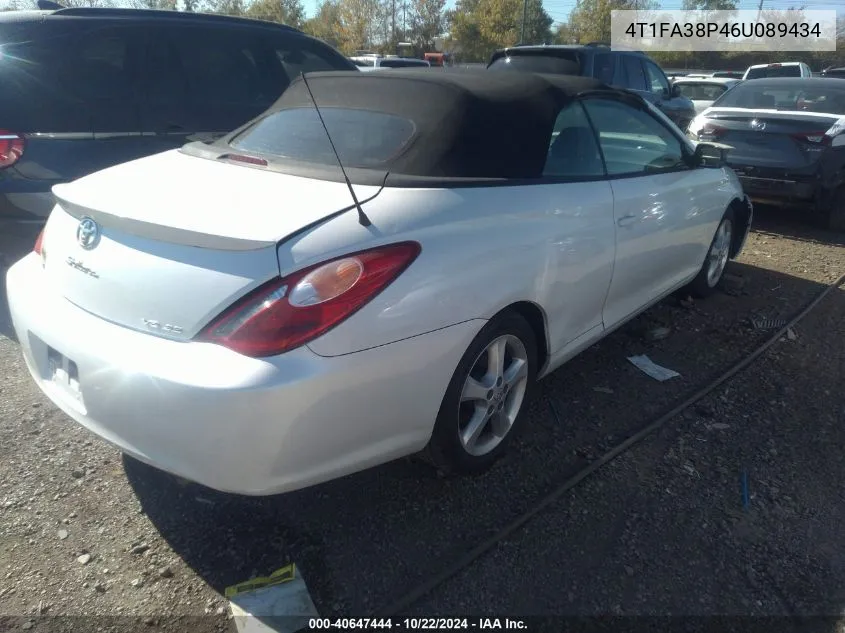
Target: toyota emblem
x: 87, y: 233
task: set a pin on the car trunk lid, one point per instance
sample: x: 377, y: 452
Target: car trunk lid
x: 770, y: 138
x: 174, y: 239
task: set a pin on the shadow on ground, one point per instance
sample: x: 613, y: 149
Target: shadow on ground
x: 363, y: 540
x: 793, y: 224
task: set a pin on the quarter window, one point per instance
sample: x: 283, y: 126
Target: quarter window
x: 220, y: 66
x: 634, y: 75
x: 297, y: 56
x: 657, y: 81
x: 632, y: 141
x: 603, y: 67
x: 99, y: 65
x: 573, y: 151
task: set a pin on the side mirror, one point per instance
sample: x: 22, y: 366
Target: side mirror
x: 710, y: 155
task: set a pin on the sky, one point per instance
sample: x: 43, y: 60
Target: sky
x: 559, y: 9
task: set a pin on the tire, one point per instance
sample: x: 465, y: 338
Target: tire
x: 713, y: 268
x: 460, y: 409
x: 835, y: 216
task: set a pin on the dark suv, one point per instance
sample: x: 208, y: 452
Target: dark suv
x: 624, y: 69
x: 84, y: 89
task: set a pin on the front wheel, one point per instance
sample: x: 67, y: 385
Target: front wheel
x: 480, y: 412
x: 719, y: 253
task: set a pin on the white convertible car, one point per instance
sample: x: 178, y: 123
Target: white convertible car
x: 228, y: 312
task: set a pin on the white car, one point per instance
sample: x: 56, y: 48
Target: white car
x: 229, y: 313
x: 370, y: 62
x: 704, y: 91
x: 782, y: 69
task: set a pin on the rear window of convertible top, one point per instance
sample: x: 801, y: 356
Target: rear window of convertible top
x: 363, y: 138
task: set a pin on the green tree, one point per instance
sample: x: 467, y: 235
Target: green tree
x: 166, y: 5
x: 361, y: 24
x: 227, y: 7
x: 290, y: 12
x: 709, y: 5
x: 465, y: 32
x: 564, y: 34
x: 590, y: 19
x: 481, y: 26
x: 326, y: 24
x: 428, y: 20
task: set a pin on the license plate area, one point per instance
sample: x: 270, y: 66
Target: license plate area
x: 63, y: 373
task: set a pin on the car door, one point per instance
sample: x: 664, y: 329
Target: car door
x: 580, y: 261
x: 662, y: 207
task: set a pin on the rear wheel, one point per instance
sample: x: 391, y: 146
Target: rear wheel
x: 713, y: 268
x: 480, y: 412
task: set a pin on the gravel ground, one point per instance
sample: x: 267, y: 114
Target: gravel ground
x: 661, y: 530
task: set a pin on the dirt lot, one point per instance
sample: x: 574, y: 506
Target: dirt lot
x: 660, y: 530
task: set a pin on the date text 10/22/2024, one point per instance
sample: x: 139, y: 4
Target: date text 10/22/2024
x: 416, y: 624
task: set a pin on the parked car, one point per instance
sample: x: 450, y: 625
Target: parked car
x: 230, y: 313
x: 723, y: 74
x: 784, y: 69
x: 837, y: 73
x: 371, y: 61
x: 84, y: 89
x: 703, y: 92
x: 624, y: 69
x: 787, y: 140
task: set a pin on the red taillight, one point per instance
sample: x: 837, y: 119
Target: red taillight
x: 814, y: 138
x: 39, y: 243
x: 11, y: 148
x: 38, y: 248
x: 286, y: 313
x: 249, y: 160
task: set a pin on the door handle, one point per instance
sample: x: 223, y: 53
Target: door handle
x: 627, y: 220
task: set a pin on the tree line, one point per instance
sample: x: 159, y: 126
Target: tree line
x: 589, y: 21
x: 471, y: 31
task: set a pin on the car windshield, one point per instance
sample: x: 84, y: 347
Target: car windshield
x: 774, y: 71
x: 701, y: 91
x: 798, y: 95
x: 363, y: 138
x: 561, y: 63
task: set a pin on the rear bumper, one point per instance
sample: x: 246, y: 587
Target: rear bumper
x: 779, y: 190
x: 233, y: 423
x: 775, y: 186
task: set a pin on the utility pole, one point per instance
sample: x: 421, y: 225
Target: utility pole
x: 524, y: 16
x: 404, y: 23
x: 759, y: 10
x: 393, y: 29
